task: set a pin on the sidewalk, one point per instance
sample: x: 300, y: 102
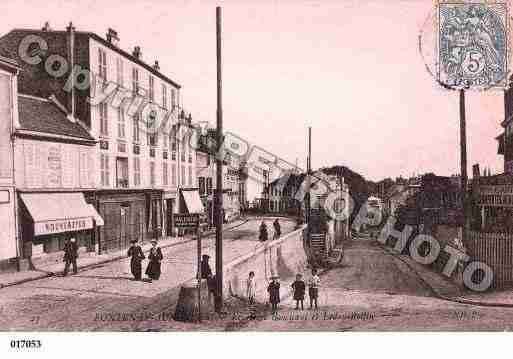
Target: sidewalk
x: 446, y: 289
x: 86, y: 261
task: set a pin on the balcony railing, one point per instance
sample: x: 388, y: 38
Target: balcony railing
x: 122, y: 183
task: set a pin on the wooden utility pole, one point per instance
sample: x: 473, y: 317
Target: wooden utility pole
x: 219, y: 173
x: 198, y: 275
x: 308, y: 181
x: 464, y: 177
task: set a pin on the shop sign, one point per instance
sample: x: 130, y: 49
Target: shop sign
x: 64, y: 225
x: 186, y: 220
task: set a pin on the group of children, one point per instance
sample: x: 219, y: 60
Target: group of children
x: 298, y: 286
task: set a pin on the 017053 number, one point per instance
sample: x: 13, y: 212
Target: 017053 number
x: 25, y: 344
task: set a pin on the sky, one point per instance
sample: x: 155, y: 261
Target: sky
x: 349, y: 69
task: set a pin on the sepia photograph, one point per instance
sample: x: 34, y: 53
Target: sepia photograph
x: 270, y: 168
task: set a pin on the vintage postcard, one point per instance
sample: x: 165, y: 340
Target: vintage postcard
x: 255, y: 166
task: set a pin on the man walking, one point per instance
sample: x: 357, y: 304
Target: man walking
x: 277, y: 229
x: 263, y: 232
x: 70, y: 255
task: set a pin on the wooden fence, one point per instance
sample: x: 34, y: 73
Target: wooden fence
x: 496, y: 250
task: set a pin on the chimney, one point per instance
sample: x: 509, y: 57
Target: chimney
x: 47, y: 27
x: 137, y: 52
x: 112, y: 36
x: 71, y: 60
x: 156, y: 66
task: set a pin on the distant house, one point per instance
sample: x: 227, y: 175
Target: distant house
x: 282, y: 194
x: 397, y: 196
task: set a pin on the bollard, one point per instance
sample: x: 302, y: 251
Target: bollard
x: 187, y: 306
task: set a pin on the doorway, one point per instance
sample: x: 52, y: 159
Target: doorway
x: 124, y: 227
x: 170, y: 204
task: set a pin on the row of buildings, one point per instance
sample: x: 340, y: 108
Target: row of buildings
x: 74, y: 164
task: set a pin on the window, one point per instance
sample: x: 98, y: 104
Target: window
x: 173, y: 174
x: 164, y: 96
x: 152, y: 174
x: 102, y: 64
x: 173, y: 141
x: 173, y: 97
x: 189, y: 182
x: 201, y: 184
x: 104, y: 124
x: 184, y: 148
x: 164, y: 174
x: 165, y: 140
x: 119, y: 71
x: 105, y: 171
x: 209, y: 185
x: 121, y: 122
x: 183, y: 176
x: 152, y: 133
x: 137, y: 171
x: 136, y: 129
x: 135, y: 80
x: 122, y: 172
x: 84, y: 169
x: 152, y: 89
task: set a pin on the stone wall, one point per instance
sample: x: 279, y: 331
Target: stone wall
x: 284, y: 257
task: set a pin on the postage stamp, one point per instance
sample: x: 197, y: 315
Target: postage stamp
x: 473, y: 45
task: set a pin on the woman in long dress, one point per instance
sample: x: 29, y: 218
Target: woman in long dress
x: 136, y: 256
x: 155, y: 257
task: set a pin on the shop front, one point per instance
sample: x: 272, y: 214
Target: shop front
x: 48, y: 219
x: 128, y: 215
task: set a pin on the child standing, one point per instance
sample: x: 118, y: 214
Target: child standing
x: 299, y: 290
x: 274, y: 293
x: 251, y: 287
x: 250, y: 293
x: 313, y: 288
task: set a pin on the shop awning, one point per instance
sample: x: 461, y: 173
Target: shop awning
x: 96, y: 216
x: 193, y: 201
x: 59, y: 212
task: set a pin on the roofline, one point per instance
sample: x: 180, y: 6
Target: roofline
x: 112, y: 47
x: 44, y: 135
x: 10, y: 64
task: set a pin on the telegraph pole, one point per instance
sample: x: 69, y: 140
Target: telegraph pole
x: 464, y: 179
x: 219, y: 173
